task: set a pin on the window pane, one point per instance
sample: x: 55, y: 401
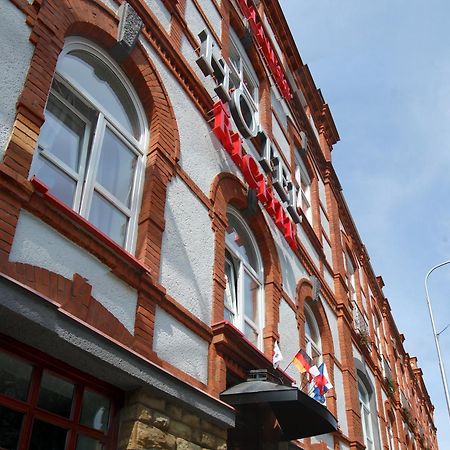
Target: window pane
x: 251, y: 334
x: 250, y: 85
x: 62, y: 133
x: 108, y: 218
x: 235, y: 57
x: 95, y: 78
x: 230, y: 290
x: 87, y: 443
x: 56, y: 395
x: 47, y: 437
x: 14, y: 376
x: 116, y: 168
x: 58, y: 183
x: 239, y: 239
x: 10, y: 425
x: 95, y: 410
x: 250, y: 298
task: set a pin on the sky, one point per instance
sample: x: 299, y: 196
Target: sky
x: 384, y: 69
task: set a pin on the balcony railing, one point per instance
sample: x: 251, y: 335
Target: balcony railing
x: 387, y: 369
x: 359, y: 321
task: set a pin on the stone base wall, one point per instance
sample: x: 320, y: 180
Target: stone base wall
x: 149, y: 422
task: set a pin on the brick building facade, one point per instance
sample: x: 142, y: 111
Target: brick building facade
x: 168, y: 212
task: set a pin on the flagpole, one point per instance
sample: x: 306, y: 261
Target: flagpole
x: 289, y: 365
x: 436, y: 336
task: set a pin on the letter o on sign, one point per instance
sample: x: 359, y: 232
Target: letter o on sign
x: 244, y: 113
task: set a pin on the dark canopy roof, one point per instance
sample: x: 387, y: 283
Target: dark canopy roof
x: 298, y: 415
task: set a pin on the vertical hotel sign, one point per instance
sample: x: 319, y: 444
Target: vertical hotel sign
x: 235, y: 103
x: 266, y: 46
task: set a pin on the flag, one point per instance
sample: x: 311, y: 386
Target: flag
x: 302, y: 361
x: 313, y: 372
x: 322, y: 381
x: 277, y: 356
x: 316, y: 395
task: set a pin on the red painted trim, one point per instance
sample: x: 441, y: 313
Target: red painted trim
x: 105, y: 239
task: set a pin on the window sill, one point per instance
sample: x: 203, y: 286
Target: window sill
x: 233, y: 345
x: 104, y: 240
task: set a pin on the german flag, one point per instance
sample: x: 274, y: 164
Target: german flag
x: 302, y: 361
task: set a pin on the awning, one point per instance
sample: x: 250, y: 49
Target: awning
x: 298, y: 415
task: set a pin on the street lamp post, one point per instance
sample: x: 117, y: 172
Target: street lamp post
x: 436, y: 335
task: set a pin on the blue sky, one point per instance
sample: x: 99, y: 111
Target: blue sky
x: 384, y: 68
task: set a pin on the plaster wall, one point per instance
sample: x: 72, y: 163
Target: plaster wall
x: 196, y: 25
x: 161, y: 12
x: 187, y: 251
x: 308, y: 246
x: 332, y: 321
x: 193, y: 17
x: 329, y: 279
x: 172, y: 342
x: 289, y: 339
x: 15, y: 56
x: 191, y: 56
x: 340, y: 400
x: 357, y: 354
x: 111, y: 4
x: 325, y: 223
x: 328, y: 439
x: 343, y: 446
x: 38, y: 244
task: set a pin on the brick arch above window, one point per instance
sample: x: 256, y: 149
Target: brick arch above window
x: 95, y: 22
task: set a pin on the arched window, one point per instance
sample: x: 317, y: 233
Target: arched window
x: 390, y: 432
x: 303, y: 181
x: 92, y: 144
x: 313, y: 344
x: 244, y: 279
x: 366, y: 415
x: 242, y: 65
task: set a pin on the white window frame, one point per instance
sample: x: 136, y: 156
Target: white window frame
x: 366, y: 413
x: 310, y: 343
x: 279, y: 106
x: 390, y: 432
x: 351, y: 271
x: 86, y: 184
x: 241, y: 267
x: 304, y: 194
